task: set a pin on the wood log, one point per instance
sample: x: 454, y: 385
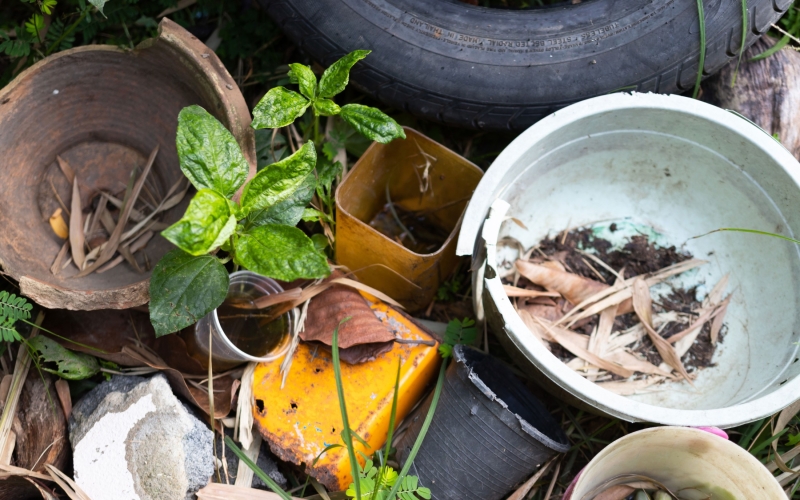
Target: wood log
x: 42, y: 436
x: 766, y: 91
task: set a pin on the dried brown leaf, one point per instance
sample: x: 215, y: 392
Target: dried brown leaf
x: 66, y: 169
x: 643, y: 305
x: 513, y: 291
x: 574, y: 288
x: 110, y: 248
x: 621, y: 292
x: 629, y: 388
x: 618, y: 492
x: 56, y: 267
x: 76, y: 236
x: 523, y: 490
x: 329, y: 308
x: 716, y: 324
x: 576, y: 344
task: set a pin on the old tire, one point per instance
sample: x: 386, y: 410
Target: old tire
x: 504, y: 69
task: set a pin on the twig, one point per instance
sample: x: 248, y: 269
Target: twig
x: 396, y: 217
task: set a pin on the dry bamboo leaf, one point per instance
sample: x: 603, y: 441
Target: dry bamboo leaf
x: 523, y: 490
x: 160, y: 208
x: 19, y: 471
x: 367, y: 289
x: 643, y: 305
x: 62, y: 389
x: 619, y: 293
x: 534, y: 327
x: 113, y: 242
x: 7, y: 452
x: 569, y: 341
x: 73, y: 491
x: 551, y: 313
x: 269, y: 300
x: 716, y: 324
x: 56, y: 267
x: 706, y: 314
x: 59, y: 225
x: 513, y: 291
x: 554, y: 265
x: 598, y: 342
x: 217, y: 491
x: 66, y: 169
x: 632, y: 362
x: 136, y: 215
x: 76, y: 236
x: 574, y: 288
x: 21, y: 368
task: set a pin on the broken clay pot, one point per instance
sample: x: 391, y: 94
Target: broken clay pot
x: 106, y: 109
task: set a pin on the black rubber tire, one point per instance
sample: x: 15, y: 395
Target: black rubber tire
x: 505, y: 69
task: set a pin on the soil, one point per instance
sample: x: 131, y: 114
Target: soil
x: 638, y: 256
x: 425, y: 237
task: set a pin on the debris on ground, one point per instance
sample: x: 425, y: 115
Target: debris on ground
x: 132, y: 438
x: 114, y: 226
x: 593, y: 308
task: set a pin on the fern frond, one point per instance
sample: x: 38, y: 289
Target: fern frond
x: 13, y: 308
x: 8, y: 332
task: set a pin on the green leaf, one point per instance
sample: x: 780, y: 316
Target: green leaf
x: 279, y: 181
x: 269, y: 150
x: 60, y: 361
x: 280, y: 252
x: 35, y: 25
x: 305, y: 78
x: 99, y: 4
x: 336, y: 77
x: 256, y: 469
x: 183, y: 289
x: 209, y: 155
x: 327, y: 172
x: 47, y: 6
x: 783, y: 42
x: 313, y: 215
x: 326, y: 107
x: 793, y: 439
x: 289, y: 211
x: 458, y: 332
x: 321, y: 242
x: 279, y: 108
x: 14, y: 307
x: 372, y: 123
x: 207, y: 223
x: 7, y: 330
x: 343, y: 135
x: 16, y: 48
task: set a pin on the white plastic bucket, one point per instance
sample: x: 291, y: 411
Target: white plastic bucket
x: 690, y: 460
x: 684, y: 168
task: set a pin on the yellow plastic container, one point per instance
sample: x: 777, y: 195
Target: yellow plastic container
x: 422, y: 175
x: 301, y: 419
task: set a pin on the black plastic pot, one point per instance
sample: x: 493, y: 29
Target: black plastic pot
x: 489, y: 433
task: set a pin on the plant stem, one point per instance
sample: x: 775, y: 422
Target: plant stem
x: 258, y: 472
x: 348, y: 439
x: 701, y: 64
x: 423, y: 430
x: 67, y: 32
x: 317, y: 138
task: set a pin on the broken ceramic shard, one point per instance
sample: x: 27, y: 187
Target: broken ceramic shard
x: 133, y: 439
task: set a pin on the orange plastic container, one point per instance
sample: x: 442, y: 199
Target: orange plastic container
x: 438, y: 182
x: 301, y: 419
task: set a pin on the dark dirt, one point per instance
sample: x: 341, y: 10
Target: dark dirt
x: 638, y: 256
x: 425, y: 237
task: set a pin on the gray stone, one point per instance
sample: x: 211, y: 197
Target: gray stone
x: 132, y: 439
x: 265, y: 462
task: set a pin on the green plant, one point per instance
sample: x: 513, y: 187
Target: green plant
x: 281, y: 107
x: 13, y: 309
x: 256, y: 232
x: 458, y: 332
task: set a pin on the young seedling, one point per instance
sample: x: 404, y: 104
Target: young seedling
x: 258, y: 231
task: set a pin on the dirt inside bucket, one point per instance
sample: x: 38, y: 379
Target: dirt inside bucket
x: 580, y: 252
x: 413, y: 230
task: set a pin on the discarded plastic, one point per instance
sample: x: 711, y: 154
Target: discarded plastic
x: 489, y: 433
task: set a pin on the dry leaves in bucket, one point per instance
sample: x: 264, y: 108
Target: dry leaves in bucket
x: 594, y: 308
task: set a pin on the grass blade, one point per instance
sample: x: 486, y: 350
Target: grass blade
x: 424, y: 430
x: 348, y: 439
x: 390, y: 435
x: 783, y: 42
x: 752, y: 231
x: 701, y: 16
x: 741, y: 46
x: 256, y: 470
